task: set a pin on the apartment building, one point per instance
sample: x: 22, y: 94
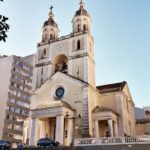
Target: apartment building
x: 15, y: 92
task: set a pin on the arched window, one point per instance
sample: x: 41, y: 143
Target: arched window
x: 78, y: 45
x: 84, y: 27
x: 78, y: 28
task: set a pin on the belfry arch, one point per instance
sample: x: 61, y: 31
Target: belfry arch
x: 60, y: 63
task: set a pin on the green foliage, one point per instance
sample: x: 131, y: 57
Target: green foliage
x: 4, y: 27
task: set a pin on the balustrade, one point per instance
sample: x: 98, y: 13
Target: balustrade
x: 112, y: 140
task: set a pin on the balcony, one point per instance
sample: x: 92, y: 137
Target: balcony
x: 18, y: 98
x: 21, y: 76
x: 19, y: 90
x: 22, y: 69
x: 17, y: 114
x: 14, y: 122
x: 20, y: 83
x: 13, y: 131
x: 17, y: 106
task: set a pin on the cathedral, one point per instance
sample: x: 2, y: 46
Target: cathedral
x: 66, y: 103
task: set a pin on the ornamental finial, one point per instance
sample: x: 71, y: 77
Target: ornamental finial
x: 81, y: 4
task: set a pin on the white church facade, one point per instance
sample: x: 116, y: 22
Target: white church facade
x: 66, y: 103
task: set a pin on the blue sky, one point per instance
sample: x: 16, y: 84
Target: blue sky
x: 121, y: 30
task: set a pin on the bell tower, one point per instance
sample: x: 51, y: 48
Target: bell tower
x: 50, y: 29
x: 43, y: 63
x: 82, y: 20
x: 83, y: 63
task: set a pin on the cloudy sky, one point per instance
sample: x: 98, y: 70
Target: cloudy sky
x: 121, y: 30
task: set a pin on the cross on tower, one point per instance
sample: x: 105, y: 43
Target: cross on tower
x: 51, y: 8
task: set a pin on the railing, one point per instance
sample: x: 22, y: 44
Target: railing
x: 112, y: 141
x: 62, y: 38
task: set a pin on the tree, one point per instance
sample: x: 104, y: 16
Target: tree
x: 4, y: 27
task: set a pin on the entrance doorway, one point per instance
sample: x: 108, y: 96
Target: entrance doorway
x: 52, y: 128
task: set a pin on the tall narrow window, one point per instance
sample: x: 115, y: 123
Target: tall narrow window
x: 42, y: 71
x: 44, y: 52
x: 78, y: 45
x: 78, y: 28
x: 84, y: 27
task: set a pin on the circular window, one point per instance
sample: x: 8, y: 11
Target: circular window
x: 60, y: 92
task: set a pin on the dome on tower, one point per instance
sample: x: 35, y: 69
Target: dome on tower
x: 50, y: 21
x: 50, y: 28
x: 82, y: 10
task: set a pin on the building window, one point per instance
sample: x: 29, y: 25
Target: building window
x: 42, y: 71
x: 7, y: 116
x: 12, y: 109
x: 59, y: 92
x: 84, y: 27
x: 13, y: 118
x: 17, y: 86
x: 10, y: 135
x: 20, y: 64
x: 12, y: 100
x: 78, y: 28
x: 51, y: 36
x: 44, y: 52
x: 78, y: 45
x: 9, y: 126
x: 17, y: 110
x: 41, y: 80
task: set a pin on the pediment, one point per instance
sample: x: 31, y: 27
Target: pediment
x: 47, y: 92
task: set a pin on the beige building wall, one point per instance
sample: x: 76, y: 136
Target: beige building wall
x: 143, y: 128
x: 5, y: 68
x: 120, y: 102
x: 93, y: 101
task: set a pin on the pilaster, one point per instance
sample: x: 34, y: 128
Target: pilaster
x: 96, y: 130
x: 110, y: 124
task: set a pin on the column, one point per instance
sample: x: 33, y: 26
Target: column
x: 116, y: 129
x: 33, y: 131
x: 96, y: 130
x: 110, y: 124
x: 70, y: 131
x: 60, y: 129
